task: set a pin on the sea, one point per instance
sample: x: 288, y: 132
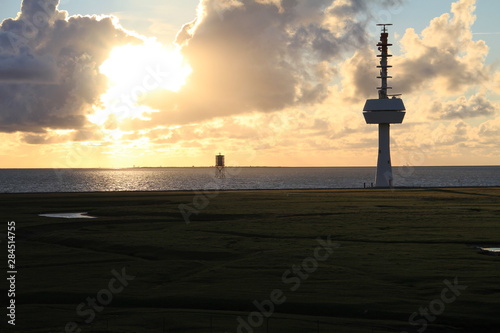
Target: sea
x: 237, y: 178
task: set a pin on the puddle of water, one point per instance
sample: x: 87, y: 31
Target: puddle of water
x: 491, y: 249
x: 69, y: 216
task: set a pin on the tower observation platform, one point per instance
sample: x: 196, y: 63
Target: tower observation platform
x: 387, y: 109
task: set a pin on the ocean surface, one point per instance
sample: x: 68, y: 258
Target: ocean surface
x: 236, y: 178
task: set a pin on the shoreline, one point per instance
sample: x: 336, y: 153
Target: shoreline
x: 271, y: 190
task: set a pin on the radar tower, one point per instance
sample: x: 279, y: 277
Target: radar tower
x: 387, y: 109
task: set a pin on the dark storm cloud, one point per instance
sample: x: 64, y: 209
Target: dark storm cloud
x: 49, y: 67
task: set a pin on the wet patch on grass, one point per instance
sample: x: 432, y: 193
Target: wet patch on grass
x: 83, y: 215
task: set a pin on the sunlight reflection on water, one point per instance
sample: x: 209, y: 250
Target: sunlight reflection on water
x: 168, y: 179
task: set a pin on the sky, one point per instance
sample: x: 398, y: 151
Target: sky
x: 112, y: 84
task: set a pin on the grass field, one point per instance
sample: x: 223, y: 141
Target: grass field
x: 392, y: 252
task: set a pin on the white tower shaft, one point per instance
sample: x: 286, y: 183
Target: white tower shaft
x: 384, y: 167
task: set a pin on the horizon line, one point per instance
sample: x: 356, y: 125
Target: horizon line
x: 241, y: 166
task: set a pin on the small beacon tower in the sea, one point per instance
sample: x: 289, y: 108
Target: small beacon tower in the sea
x: 386, y: 110
x: 220, y: 166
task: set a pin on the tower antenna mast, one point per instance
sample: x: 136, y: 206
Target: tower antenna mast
x: 383, y: 47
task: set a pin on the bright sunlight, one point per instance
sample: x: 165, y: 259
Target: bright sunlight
x: 135, y: 70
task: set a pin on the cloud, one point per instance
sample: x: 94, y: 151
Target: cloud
x: 359, y: 76
x: 476, y: 106
x: 444, y: 57
x: 491, y: 129
x: 49, y: 67
x: 256, y: 55
x: 26, y: 68
x: 62, y: 136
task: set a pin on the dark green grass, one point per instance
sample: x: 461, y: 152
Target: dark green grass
x: 396, y: 247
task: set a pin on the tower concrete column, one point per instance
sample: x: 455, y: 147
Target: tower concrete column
x: 384, y: 167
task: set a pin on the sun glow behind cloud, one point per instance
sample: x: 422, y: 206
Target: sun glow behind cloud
x: 135, y: 70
